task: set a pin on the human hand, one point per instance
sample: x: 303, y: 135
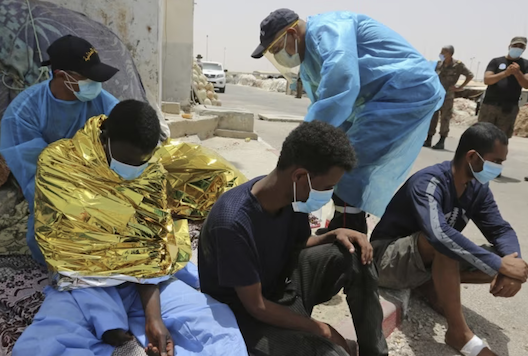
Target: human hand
x: 505, y: 287
x: 334, y: 336
x: 511, y: 69
x: 347, y: 238
x: 514, y: 267
x: 159, y: 338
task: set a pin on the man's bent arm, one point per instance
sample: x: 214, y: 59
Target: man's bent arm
x: 522, y: 79
x: 274, y: 314
x: 151, y: 300
x: 323, y: 239
x: 426, y: 195
x: 466, y: 82
x: 491, y: 78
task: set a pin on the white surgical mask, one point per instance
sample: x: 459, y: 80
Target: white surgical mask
x: 316, y: 200
x: 287, y: 60
x: 88, y: 89
x: 125, y: 171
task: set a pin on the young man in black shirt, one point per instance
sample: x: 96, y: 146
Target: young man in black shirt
x: 505, y: 77
x: 257, y: 254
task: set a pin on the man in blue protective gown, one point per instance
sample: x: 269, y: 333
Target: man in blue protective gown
x: 367, y: 80
x: 53, y: 110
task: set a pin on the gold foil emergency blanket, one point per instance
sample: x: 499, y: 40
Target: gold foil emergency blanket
x: 197, y: 178
x: 91, y: 223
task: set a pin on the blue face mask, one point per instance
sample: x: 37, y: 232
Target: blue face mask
x: 88, y: 89
x: 442, y: 57
x: 316, y: 200
x: 516, y: 52
x: 489, y: 171
x: 125, y: 171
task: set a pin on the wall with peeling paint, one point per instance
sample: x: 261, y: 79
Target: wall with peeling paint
x: 137, y: 23
x: 177, y: 57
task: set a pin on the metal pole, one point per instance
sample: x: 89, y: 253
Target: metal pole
x: 471, y: 63
x: 478, y: 67
x: 207, y: 47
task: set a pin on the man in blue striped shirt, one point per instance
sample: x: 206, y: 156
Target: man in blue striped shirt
x: 419, y: 237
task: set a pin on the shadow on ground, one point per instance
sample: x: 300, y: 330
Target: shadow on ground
x: 423, y: 333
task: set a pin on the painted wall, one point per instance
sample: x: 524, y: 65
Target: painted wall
x: 137, y: 23
x: 177, y: 58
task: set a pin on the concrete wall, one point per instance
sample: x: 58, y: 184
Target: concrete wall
x: 177, y: 58
x: 139, y: 24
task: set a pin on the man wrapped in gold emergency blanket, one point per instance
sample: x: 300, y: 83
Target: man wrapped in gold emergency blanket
x: 97, y: 229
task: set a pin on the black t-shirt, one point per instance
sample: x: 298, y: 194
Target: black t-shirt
x: 507, y: 90
x: 241, y: 244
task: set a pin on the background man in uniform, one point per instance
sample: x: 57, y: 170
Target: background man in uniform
x: 505, y: 78
x: 449, y: 71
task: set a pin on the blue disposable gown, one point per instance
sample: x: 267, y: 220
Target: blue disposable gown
x: 72, y: 323
x: 367, y: 80
x: 31, y: 122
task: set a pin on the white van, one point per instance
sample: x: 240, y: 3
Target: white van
x: 214, y: 71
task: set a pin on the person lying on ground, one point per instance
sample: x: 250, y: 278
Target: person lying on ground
x: 104, y: 227
x: 419, y: 237
x: 256, y: 253
x: 367, y: 80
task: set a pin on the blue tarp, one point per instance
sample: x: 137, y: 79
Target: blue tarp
x: 369, y: 81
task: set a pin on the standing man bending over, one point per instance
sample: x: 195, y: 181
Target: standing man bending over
x: 419, y: 236
x: 367, y: 80
x: 257, y: 254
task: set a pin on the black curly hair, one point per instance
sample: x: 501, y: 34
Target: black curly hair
x: 134, y: 122
x: 317, y: 147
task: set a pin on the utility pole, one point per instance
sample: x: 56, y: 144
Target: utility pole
x: 478, y: 67
x: 471, y: 63
x: 207, y: 47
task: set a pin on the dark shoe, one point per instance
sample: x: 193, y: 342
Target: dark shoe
x: 526, y: 179
x: 440, y: 144
x: 428, y: 142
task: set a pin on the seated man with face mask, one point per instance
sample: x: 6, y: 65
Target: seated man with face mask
x: 256, y: 253
x: 103, y: 223
x: 419, y: 238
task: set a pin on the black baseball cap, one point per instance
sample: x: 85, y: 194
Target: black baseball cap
x: 271, y: 25
x: 78, y: 55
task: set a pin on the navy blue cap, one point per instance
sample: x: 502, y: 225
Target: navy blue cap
x: 78, y: 55
x: 271, y: 25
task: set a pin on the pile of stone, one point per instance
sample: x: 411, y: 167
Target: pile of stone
x: 274, y: 85
x: 464, y: 112
x: 203, y: 89
x: 521, y: 125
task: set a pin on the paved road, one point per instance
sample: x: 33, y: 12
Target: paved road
x: 505, y: 319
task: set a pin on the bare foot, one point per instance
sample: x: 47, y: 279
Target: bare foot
x: 458, y: 340
x: 151, y: 350
x: 117, y: 337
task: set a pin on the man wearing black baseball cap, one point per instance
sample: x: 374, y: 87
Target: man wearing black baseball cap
x: 52, y: 110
